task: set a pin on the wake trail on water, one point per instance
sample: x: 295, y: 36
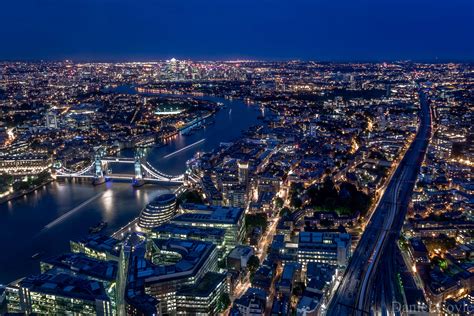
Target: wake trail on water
x: 71, y: 212
x: 184, y: 148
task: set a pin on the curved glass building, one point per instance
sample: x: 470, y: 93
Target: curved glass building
x: 159, y: 211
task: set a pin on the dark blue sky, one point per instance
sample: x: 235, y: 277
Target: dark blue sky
x: 222, y: 29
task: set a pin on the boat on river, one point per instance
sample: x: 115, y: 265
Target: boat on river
x: 97, y: 228
x: 36, y: 255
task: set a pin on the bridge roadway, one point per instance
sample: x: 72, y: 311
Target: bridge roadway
x: 368, y: 287
x: 127, y: 177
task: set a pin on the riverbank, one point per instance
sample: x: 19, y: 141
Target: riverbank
x: 187, y: 127
x: 16, y: 195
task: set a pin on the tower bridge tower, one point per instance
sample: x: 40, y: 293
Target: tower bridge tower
x: 139, y: 156
x: 98, y: 169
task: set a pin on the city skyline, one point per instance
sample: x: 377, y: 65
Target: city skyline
x: 218, y: 187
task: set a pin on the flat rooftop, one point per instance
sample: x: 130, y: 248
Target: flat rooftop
x: 80, y: 263
x: 66, y: 285
x: 206, y: 213
x: 188, y: 231
x: 205, y: 286
x: 101, y: 243
x: 193, y: 254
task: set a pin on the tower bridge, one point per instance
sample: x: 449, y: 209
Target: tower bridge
x: 99, y: 172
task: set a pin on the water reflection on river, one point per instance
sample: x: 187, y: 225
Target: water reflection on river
x: 28, y: 225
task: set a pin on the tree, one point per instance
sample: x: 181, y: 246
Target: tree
x: 440, y: 262
x: 5, y: 182
x: 296, y: 188
x: 442, y: 243
x: 21, y: 185
x: 253, y: 264
x: 41, y: 178
x: 224, y: 302
x: 296, y: 202
x: 278, y: 202
x: 348, y: 200
x: 323, y: 195
x: 285, y: 211
x: 256, y: 220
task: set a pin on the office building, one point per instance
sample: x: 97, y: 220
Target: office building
x: 173, y: 264
x: 331, y: 247
x: 231, y: 219
x: 235, y: 196
x: 203, y: 298
x: 159, y: 211
x: 58, y: 294
x: 22, y: 165
x: 209, y: 234
x: 98, y: 247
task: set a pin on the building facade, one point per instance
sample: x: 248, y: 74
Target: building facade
x: 159, y: 211
x: 326, y: 247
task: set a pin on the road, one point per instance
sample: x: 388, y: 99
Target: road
x: 368, y: 284
x: 261, y: 253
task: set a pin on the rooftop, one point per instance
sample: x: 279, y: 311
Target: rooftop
x: 241, y: 251
x: 188, y: 231
x: 206, y: 285
x: 65, y: 285
x: 193, y: 254
x: 205, y: 213
x: 80, y: 263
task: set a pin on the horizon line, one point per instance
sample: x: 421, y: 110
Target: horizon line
x: 237, y: 60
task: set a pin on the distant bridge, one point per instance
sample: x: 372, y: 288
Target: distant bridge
x: 144, y: 172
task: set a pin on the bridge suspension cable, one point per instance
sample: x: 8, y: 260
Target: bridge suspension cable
x: 67, y: 172
x: 148, y: 165
x: 154, y: 174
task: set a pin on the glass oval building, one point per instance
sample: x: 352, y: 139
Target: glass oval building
x: 159, y: 211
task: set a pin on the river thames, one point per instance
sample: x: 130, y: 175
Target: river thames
x: 36, y: 223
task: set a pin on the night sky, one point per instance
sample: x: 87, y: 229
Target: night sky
x: 229, y: 29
